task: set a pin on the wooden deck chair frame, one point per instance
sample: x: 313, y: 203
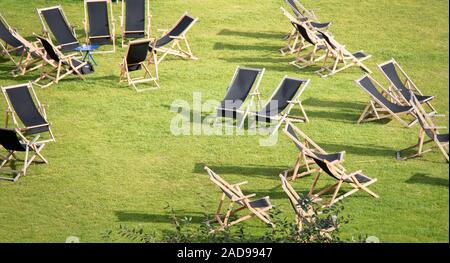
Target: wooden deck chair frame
x: 252, y: 94
x: 11, y: 113
x: 59, y: 69
x: 148, y: 76
x: 376, y: 110
x: 407, y: 82
x: 284, y: 116
x: 4, y: 47
x: 295, y: 42
x: 30, y: 146
x: 339, y: 173
x: 303, y: 160
x: 111, y: 21
x: 176, y: 48
x: 45, y: 30
x: 237, y: 197
x: 427, y: 130
x: 308, y: 13
x: 305, y: 60
x: 147, y: 30
x: 31, y: 58
x: 301, y: 216
x: 340, y: 55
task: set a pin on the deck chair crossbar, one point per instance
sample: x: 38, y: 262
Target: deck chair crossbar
x: 10, y: 44
x: 175, y: 41
x: 240, y: 87
x: 28, y: 115
x: 357, y: 180
x: 256, y: 208
x: 379, y: 107
x: 305, y: 146
x: 60, y: 65
x: 31, y: 58
x: 137, y: 58
x: 340, y: 55
x: 54, y: 20
x: 132, y: 20
x: 401, y: 88
x: 428, y: 133
x: 99, y: 24
x: 281, y: 102
x: 14, y: 142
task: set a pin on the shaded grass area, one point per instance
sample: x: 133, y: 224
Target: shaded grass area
x: 116, y: 161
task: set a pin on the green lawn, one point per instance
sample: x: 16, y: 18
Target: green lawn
x: 116, y: 161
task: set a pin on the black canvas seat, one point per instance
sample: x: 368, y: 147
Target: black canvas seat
x: 314, y: 39
x: 243, y: 81
x: 11, y: 45
x: 133, y: 19
x: 379, y: 106
x: 304, y: 15
x: 13, y: 142
x: 99, y: 25
x: 402, y: 88
x: 60, y: 28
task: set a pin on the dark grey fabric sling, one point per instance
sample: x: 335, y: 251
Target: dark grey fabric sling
x: 60, y: 29
x: 99, y: 32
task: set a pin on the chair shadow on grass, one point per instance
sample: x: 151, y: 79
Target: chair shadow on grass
x: 263, y: 35
x: 142, y: 217
x: 421, y: 178
x: 228, y: 46
x: 348, y: 105
x: 360, y: 150
x: 252, y: 170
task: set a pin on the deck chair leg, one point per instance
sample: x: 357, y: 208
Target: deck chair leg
x: 313, y: 186
x: 336, y: 191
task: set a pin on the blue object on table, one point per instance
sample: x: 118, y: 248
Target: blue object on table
x: 87, y: 49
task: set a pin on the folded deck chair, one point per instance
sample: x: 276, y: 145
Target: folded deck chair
x: 306, y: 145
x: 313, y: 39
x: 303, y: 211
x: 98, y: 24
x: 241, y: 84
x: 10, y: 44
x: 280, y: 104
x: 175, y: 36
x: 304, y: 14
x: 14, y: 142
x: 132, y: 20
x: 31, y: 58
x: 295, y: 41
x: 59, y: 26
x: 256, y: 208
x: 428, y: 132
x: 401, y: 88
x: 357, y: 180
x: 23, y: 105
x: 340, y: 55
x: 61, y: 65
x: 379, y: 107
x: 137, y: 58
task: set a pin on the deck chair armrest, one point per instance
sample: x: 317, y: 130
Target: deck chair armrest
x: 34, y: 126
x: 355, y: 173
x: 176, y: 37
x: 241, y: 183
x: 437, y: 115
x: 436, y: 127
x: 244, y: 197
x: 164, y: 30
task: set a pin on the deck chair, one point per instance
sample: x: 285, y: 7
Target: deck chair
x: 61, y: 65
x: 132, y: 20
x: 176, y: 35
x: 14, y: 142
x: 314, y: 40
x: 303, y: 212
x: 304, y: 14
x: 340, y: 55
x: 31, y: 58
x: 428, y: 133
x: 10, y: 45
x: 303, y: 164
x: 26, y: 112
x: 280, y: 104
x: 98, y: 24
x: 137, y: 58
x: 357, y: 180
x: 59, y: 26
x: 401, y: 88
x: 295, y: 41
x: 241, y: 84
x: 379, y: 107
x: 256, y: 208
